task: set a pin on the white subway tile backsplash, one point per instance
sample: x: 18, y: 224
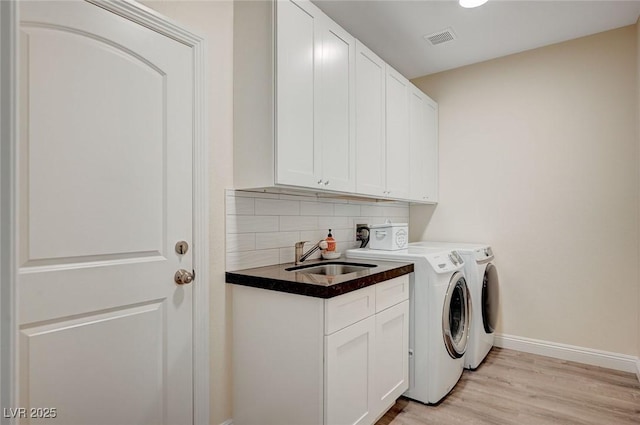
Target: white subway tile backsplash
x: 249, y: 259
x: 262, y: 228
x: 334, y: 222
x: 251, y: 223
x: 395, y: 211
x: 287, y: 255
x: 316, y: 208
x: 372, y: 210
x: 298, y: 223
x: 344, y: 235
x: 277, y: 207
x: 240, y: 206
x: 276, y: 239
x: 347, y: 210
x: 237, y: 242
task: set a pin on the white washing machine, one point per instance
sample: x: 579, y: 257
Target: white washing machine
x: 439, y: 321
x: 484, y: 287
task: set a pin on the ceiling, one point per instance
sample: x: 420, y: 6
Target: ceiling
x: 395, y: 29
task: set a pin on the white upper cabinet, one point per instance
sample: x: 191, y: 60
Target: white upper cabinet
x: 335, y: 120
x: 315, y: 109
x: 383, y: 132
x: 397, y: 134
x: 299, y: 132
x: 370, y: 122
x: 423, y: 147
x: 298, y: 162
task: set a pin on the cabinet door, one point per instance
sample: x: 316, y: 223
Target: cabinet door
x: 397, y: 102
x: 370, y: 122
x: 296, y: 29
x: 335, y: 129
x: 423, y: 147
x: 348, y: 372
x: 391, y: 366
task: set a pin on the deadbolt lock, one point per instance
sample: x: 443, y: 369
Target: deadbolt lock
x: 182, y: 247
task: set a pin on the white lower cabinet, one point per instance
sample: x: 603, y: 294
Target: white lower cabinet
x: 300, y: 360
x: 349, y: 355
x: 391, y: 360
x: 367, y: 367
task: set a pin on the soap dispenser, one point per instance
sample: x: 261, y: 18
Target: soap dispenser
x: 331, y: 243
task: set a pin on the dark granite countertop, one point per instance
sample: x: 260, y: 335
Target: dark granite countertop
x: 277, y: 278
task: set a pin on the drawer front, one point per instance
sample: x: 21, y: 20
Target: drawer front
x: 392, y: 292
x: 344, y: 310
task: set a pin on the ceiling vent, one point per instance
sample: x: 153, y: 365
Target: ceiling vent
x: 443, y: 36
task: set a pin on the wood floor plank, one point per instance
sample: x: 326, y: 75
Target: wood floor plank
x: 515, y: 388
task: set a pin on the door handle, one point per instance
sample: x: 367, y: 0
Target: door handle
x: 183, y: 277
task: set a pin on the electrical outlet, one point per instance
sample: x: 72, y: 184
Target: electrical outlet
x: 362, y: 232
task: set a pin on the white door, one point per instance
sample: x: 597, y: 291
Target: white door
x: 105, y: 192
x: 397, y: 134
x: 370, y: 122
x: 391, y: 367
x: 348, y: 374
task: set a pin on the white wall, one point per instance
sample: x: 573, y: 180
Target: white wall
x: 539, y: 158
x: 213, y: 20
x: 262, y: 228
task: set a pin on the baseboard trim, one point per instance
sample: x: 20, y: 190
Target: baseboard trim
x: 227, y: 422
x: 572, y: 353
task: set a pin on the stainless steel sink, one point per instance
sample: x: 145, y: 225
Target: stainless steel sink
x: 333, y: 268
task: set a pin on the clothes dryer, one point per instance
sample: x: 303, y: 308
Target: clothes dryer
x: 484, y: 287
x: 439, y: 321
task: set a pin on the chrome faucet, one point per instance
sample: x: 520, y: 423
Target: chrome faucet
x: 300, y: 257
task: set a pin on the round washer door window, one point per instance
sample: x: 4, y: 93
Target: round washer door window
x: 455, y: 316
x: 490, y: 298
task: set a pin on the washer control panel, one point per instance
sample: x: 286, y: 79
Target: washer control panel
x: 482, y: 255
x: 445, y: 261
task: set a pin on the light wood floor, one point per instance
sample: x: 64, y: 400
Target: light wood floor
x: 512, y: 387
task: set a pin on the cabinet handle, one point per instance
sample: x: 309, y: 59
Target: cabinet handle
x: 326, y: 183
x: 319, y: 181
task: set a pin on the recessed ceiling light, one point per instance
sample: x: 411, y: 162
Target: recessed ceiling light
x: 471, y: 3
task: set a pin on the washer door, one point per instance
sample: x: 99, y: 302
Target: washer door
x: 456, y: 316
x: 490, y: 298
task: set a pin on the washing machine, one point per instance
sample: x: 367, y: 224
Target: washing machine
x: 484, y: 287
x: 439, y: 318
